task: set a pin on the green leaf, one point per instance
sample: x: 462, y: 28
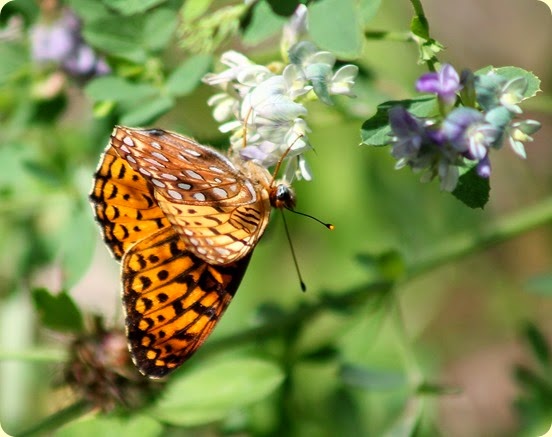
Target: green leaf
x: 209, y: 393
x: 472, y: 190
x: 118, y: 37
x: 130, y: 7
x: 370, y: 379
x: 539, y: 345
x: 117, y: 89
x: 533, y: 82
x: 369, y: 8
x: 187, y: 76
x: 87, y: 10
x: 148, y: 111
x: 284, y: 8
x: 540, y: 284
x: 193, y: 10
x: 388, y: 265
x: 376, y: 131
x: 336, y: 25
x: 77, y: 247
x: 159, y: 28
x: 264, y: 24
x: 57, y: 312
x: 14, y: 58
x: 102, y: 426
x: 420, y: 27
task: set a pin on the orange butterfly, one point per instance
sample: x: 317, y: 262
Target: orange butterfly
x: 184, y: 219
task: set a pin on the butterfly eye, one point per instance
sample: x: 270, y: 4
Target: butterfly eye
x: 283, y: 197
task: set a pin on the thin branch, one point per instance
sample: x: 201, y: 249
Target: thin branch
x: 54, y: 421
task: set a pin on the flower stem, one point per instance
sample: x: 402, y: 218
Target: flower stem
x: 471, y: 241
x: 54, y: 421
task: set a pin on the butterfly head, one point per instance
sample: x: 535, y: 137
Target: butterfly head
x: 282, y: 196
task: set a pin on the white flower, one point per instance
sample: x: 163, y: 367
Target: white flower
x: 343, y: 80
x: 236, y: 61
x: 269, y: 101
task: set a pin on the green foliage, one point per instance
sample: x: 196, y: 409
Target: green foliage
x: 124, y: 426
x: 215, y: 390
x: 361, y: 352
x: 336, y: 25
x: 57, y: 312
x: 472, y: 190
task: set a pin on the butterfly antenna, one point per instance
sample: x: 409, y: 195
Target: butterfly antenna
x: 327, y: 225
x: 244, y: 135
x: 279, y: 163
x: 303, y: 286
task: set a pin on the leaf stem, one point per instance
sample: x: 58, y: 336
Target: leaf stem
x: 473, y: 241
x: 54, y: 421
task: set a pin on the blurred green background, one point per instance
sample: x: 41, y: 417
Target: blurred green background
x: 464, y: 321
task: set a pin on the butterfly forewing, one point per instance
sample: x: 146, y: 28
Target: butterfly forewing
x: 172, y: 300
x: 124, y: 204
x: 220, y: 209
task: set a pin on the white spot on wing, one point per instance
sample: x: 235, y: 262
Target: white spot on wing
x: 128, y: 141
x: 156, y: 145
x: 154, y: 162
x: 125, y: 149
x: 158, y: 183
x: 175, y: 194
x: 184, y: 186
x: 144, y: 171
x: 249, y: 186
x: 160, y: 156
x: 194, y: 241
x: 192, y: 152
x: 222, y: 251
x: 188, y: 232
x: 199, y: 196
x: 194, y: 175
x: 219, y: 192
x: 216, y: 169
x: 218, y: 180
x: 201, y: 250
x: 169, y: 177
x: 130, y: 158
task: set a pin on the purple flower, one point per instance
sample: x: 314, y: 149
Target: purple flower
x: 445, y: 83
x: 60, y: 42
x: 408, y: 132
x: 468, y: 133
x: 483, y: 168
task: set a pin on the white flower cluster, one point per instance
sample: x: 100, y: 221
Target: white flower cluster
x: 264, y: 110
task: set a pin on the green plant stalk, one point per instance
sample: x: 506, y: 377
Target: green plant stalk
x: 492, y: 234
x: 54, y: 421
x: 35, y: 356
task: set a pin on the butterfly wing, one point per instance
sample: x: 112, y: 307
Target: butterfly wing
x: 172, y: 300
x: 219, y: 209
x: 124, y: 204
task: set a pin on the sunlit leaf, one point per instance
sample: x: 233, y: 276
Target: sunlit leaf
x: 210, y: 392
x: 57, y: 312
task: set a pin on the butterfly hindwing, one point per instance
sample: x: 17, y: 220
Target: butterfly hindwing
x: 172, y: 300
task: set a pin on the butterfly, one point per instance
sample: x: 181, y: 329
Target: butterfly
x: 183, y: 220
